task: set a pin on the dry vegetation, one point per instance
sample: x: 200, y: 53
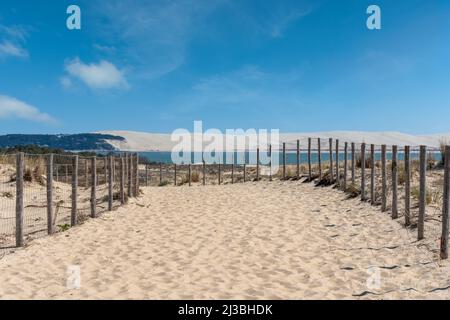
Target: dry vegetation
x: 35, y: 198
x: 35, y: 178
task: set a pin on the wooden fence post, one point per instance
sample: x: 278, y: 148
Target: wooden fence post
x: 160, y: 173
x: 372, y: 174
x: 407, y: 186
x: 93, y: 187
x: 270, y: 162
x: 74, y: 209
x: 423, y: 192
x: 122, y: 180
x: 126, y: 172
x: 298, y: 159
x: 394, y: 183
x: 257, y: 164
x: 232, y: 168
x: 383, y: 179
x: 114, y: 169
x: 110, y: 184
x: 344, y: 182
x: 138, y: 182
x: 232, y: 173
x: 309, y: 160
x: 284, y: 160
x: 319, y: 158
x: 245, y: 167
x: 363, y: 172
x: 86, y: 173
x: 146, y: 175
x: 446, y: 205
x: 98, y: 172
x: 219, y: 172
x: 353, y: 164
x: 204, y: 172
x: 136, y: 175
x: 19, y: 198
x: 105, y: 169
x: 133, y: 174
x: 175, y: 174
x: 50, y: 226
x: 337, y: 163
x: 130, y: 175
x: 330, y: 154
x: 245, y: 172
x: 189, y: 174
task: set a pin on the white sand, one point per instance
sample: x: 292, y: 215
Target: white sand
x: 279, y: 240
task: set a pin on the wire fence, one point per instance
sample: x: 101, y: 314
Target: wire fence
x: 44, y: 194
x: 408, y: 182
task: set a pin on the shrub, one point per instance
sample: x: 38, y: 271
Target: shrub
x: 35, y: 169
x: 352, y: 190
x: 63, y: 227
x: 116, y: 196
x: 430, y: 161
x: 326, y: 179
x: 358, y: 162
x: 7, y: 194
x: 431, y: 195
x: 289, y: 172
x: 184, y: 179
x: 195, y: 176
x: 401, y: 171
x: 163, y: 183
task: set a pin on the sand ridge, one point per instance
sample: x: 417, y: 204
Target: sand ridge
x: 145, y: 141
x: 265, y: 240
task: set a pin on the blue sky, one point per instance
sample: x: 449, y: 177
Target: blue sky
x: 159, y: 65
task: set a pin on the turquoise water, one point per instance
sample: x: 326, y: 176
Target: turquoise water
x: 291, y: 158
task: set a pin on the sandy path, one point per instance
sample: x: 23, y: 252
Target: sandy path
x: 279, y: 240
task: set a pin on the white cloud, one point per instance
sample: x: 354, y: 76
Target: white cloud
x: 248, y: 88
x: 66, y: 82
x: 271, y: 19
x: 277, y: 28
x: 17, y: 32
x: 105, y: 49
x: 11, y: 108
x: 8, y: 49
x: 103, y: 75
x: 152, y: 36
x: 13, y: 38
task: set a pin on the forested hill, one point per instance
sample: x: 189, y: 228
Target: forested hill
x: 71, y: 142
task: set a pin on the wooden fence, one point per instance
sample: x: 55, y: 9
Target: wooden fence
x: 362, y: 169
x: 76, y: 188
x: 59, y: 191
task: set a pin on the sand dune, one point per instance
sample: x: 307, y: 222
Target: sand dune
x: 279, y: 240
x: 142, y: 141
